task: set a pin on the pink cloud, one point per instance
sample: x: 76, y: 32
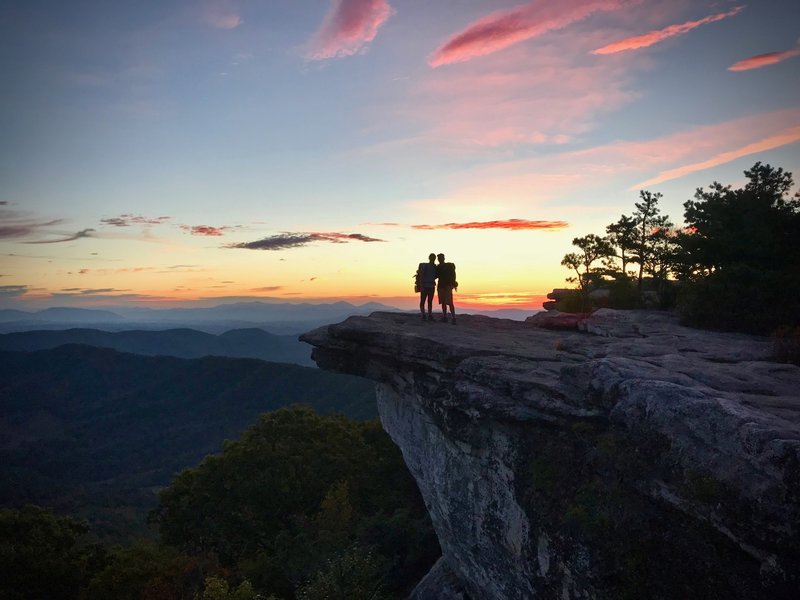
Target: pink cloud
x: 526, y: 96
x: 788, y: 136
x: 558, y: 181
x: 504, y: 28
x: 348, y: 27
x: 654, y: 37
x: 222, y: 14
x: 205, y: 230
x: 512, y: 224
x: 763, y: 60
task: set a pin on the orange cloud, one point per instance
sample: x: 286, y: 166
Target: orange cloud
x: 783, y: 138
x: 504, y: 28
x: 515, y: 224
x: 348, y: 27
x: 654, y: 37
x: 763, y: 60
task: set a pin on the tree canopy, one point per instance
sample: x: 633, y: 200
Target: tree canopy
x: 735, y: 263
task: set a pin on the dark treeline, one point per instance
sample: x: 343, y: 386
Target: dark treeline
x: 301, y: 506
x: 734, y: 264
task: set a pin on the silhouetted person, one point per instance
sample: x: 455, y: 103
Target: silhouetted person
x: 426, y: 283
x: 446, y: 273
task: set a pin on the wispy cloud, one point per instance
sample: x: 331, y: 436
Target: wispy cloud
x: 654, y: 37
x: 504, y: 28
x: 128, y: 220
x: 783, y: 138
x: 544, y: 95
x: 13, y: 227
x: 83, y: 233
x: 764, y: 60
x: 550, y: 181
x: 513, y: 224
x: 269, y: 288
x: 205, y: 230
x: 348, y: 27
x: 12, y: 291
x: 222, y: 14
x: 90, y: 291
x: 284, y: 241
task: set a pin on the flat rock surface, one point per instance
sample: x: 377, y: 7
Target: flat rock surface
x: 638, y: 344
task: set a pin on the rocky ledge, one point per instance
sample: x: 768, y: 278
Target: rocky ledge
x: 617, y: 455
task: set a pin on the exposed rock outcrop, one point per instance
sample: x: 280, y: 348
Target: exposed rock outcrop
x: 632, y: 459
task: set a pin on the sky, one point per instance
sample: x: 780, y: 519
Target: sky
x: 177, y: 153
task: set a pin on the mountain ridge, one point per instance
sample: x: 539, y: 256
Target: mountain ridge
x: 179, y: 342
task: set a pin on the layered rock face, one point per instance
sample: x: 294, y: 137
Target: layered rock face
x: 617, y: 456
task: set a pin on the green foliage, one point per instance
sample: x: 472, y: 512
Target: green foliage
x: 740, y: 256
x: 149, y: 571
x: 622, y: 236
x: 355, y: 575
x: 592, y: 248
x: 737, y: 258
x: 652, y: 246
x: 296, y: 490
x: 44, y: 556
x: 93, y: 432
x: 646, y: 239
x: 217, y: 588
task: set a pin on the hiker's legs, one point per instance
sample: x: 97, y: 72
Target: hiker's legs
x: 424, y: 295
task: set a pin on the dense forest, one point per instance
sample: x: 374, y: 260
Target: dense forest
x: 301, y: 506
x: 734, y: 264
x: 94, y: 433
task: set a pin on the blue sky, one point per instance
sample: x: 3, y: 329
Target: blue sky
x: 164, y: 152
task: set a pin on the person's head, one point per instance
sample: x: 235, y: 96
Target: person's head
x: 440, y: 257
x: 431, y: 257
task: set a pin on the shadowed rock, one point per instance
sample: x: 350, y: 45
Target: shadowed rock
x: 631, y: 457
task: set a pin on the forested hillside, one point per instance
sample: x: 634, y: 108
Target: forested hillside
x: 95, y: 433
x: 301, y: 507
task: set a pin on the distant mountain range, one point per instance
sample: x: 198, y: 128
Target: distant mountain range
x: 95, y: 433
x: 183, y: 343
x: 279, y: 318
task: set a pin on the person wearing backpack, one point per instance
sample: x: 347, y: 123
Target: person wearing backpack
x: 426, y: 284
x: 446, y: 273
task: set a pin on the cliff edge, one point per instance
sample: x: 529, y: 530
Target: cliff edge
x: 634, y: 458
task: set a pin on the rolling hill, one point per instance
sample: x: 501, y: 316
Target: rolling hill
x: 95, y: 433
x: 182, y: 343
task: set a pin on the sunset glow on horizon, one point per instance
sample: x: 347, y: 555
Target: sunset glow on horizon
x: 186, y: 153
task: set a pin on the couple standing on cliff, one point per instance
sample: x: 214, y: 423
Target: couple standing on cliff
x: 426, y: 277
